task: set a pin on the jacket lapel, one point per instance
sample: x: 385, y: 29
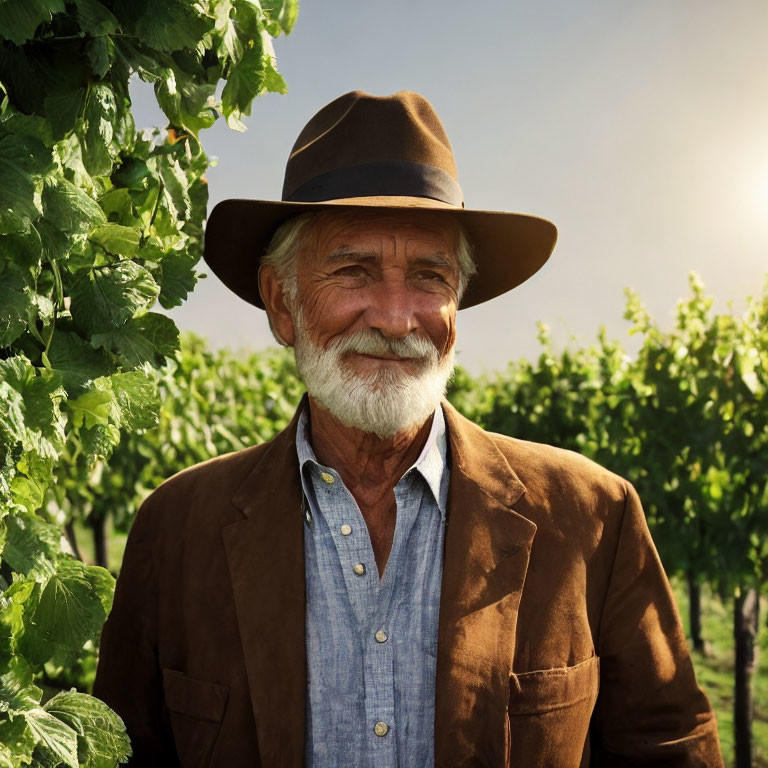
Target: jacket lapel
x: 265, y: 552
x: 487, y: 547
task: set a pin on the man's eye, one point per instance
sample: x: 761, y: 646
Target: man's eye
x: 429, y: 275
x: 351, y: 270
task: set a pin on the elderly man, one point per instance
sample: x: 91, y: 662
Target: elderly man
x: 385, y: 584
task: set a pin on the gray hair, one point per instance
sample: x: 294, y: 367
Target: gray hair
x: 291, y: 235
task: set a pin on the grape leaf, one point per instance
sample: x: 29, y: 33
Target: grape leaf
x: 45, y: 423
x: 57, y: 742
x: 138, y: 399
x: 68, y: 612
x: 20, y: 18
x: 170, y: 26
x: 11, y: 414
x: 145, y: 339
x: 116, y: 238
x: 92, y: 408
x: 55, y: 243
x: 16, y: 743
x: 101, y: 736
x: 95, y: 19
x: 16, y: 371
x: 15, y: 303
x: 273, y: 80
x: 96, y: 141
x: 23, y: 249
x: 99, y: 440
x: 22, y: 159
x: 246, y: 81
x: 70, y: 209
x: 17, y: 689
x: 76, y: 361
x: 21, y: 124
x: 31, y: 545
x: 27, y: 492
x: 225, y: 26
x: 282, y: 15
x: 41, y: 393
x: 63, y: 109
x: 19, y: 594
x: 168, y: 95
x: 176, y: 186
x: 129, y: 400
x: 100, y: 53
x: 105, y: 298
x: 103, y: 583
x: 249, y: 19
x: 178, y: 278
x: 130, y: 174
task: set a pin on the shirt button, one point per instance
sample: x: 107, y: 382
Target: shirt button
x: 381, y: 636
x: 381, y: 728
x: 327, y: 477
x: 346, y: 529
x: 358, y: 568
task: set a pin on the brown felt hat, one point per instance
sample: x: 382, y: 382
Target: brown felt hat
x: 389, y: 152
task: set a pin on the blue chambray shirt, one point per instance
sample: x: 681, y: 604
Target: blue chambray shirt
x: 372, y: 644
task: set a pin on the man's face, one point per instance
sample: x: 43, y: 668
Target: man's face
x: 375, y: 322
x: 395, y: 273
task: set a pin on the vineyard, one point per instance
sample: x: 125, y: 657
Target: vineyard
x: 100, y: 400
x: 685, y: 419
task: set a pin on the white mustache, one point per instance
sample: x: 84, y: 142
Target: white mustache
x: 371, y: 342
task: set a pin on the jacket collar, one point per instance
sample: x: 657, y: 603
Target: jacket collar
x: 487, y: 546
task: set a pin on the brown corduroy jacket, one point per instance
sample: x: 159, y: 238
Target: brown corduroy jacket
x: 559, y: 642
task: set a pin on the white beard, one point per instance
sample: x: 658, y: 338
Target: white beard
x: 386, y: 402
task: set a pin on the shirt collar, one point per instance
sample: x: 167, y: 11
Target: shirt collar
x: 431, y: 464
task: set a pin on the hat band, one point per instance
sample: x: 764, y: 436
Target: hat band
x: 385, y: 178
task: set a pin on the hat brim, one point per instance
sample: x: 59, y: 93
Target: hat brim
x: 508, y: 248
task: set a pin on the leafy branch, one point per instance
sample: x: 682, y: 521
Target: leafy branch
x: 98, y: 223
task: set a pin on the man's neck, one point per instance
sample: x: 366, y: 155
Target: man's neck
x: 368, y: 465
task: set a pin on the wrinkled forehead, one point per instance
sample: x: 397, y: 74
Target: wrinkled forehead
x: 421, y: 230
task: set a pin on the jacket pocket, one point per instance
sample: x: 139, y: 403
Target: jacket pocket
x: 196, y: 710
x: 549, y: 714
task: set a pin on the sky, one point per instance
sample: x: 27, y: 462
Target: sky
x: 639, y: 128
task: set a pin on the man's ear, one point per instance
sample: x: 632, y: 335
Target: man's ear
x: 280, y: 319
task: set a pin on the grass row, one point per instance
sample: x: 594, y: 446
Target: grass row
x: 714, y: 670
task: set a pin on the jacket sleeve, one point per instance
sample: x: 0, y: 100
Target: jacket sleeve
x: 128, y: 677
x: 650, y: 711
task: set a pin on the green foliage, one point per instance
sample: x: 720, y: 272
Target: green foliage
x: 98, y: 223
x: 686, y: 422
x: 210, y: 403
x: 571, y: 400
x: 705, y: 438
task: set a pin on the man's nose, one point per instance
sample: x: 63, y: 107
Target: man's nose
x: 392, y: 307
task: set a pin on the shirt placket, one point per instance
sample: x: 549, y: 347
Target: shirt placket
x: 350, y: 539
x: 368, y: 601
x: 379, y: 647
x: 369, y: 597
